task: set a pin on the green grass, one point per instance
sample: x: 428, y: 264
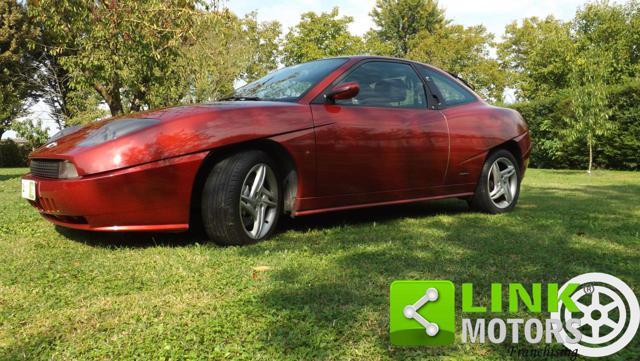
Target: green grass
x: 75, y: 295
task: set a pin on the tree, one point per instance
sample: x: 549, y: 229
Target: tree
x: 398, y: 21
x: 32, y: 131
x: 245, y: 49
x: 263, y: 40
x: 614, y: 27
x: 319, y: 36
x: 373, y: 45
x: 16, y: 62
x: 536, y: 55
x: 145, y: 54
x: 464, y: 52
x: 589, y: 99
x: 123, y: 50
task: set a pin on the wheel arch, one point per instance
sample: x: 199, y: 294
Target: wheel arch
x: 512, y: 147
x: 287, y: 172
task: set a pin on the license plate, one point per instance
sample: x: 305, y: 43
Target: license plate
x: 29, y: 189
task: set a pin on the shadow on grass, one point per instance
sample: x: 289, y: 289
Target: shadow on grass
x: 132, y: 239
x: 6, y: 177
x: 327, y: 220
x: 376, y: 214
x: 549, y: 238
x: 341, y: 300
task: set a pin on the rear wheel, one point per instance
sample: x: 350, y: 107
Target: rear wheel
x: 499, y: 186
x: 241, y: 201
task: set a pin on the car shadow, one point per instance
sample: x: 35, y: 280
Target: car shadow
x: 546, y: 239
x: 132, y: 239
x: 377, y: 214
x: 6, y: 177
x: 322, y: 221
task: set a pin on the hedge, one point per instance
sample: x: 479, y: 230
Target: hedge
x: 12, y: 154
x: 619, y: 150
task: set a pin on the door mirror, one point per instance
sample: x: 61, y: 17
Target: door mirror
x: 343, y: 91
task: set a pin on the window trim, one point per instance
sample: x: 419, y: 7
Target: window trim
x: 436, y: 90
x: 321, y: 98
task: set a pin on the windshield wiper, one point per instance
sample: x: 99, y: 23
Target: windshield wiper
x: 241, y: 97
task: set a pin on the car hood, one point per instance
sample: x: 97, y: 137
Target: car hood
x: 177, y: 131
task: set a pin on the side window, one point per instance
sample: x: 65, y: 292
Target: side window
x: 386, y: 84
x: 452, y: 92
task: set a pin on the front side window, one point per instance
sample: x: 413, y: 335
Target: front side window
x: 290, y: 83
x: 452, y: 92
x: 386, y: 84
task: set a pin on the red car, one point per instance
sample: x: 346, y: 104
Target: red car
x: 327, y: 135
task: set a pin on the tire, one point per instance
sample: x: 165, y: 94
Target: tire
x: 230, y: 204
x: 490, y: 197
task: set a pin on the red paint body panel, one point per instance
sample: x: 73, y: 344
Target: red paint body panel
x: 344, y: 157
x: 474, y: 129
x: 363, y: 146
x: 182, y: 130
x: 147, y: 197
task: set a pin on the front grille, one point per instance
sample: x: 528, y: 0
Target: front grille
x: 46, y: 168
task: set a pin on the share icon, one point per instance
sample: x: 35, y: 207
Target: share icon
x: 411, y: 311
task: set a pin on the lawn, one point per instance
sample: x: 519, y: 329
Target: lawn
x: 75, y: 295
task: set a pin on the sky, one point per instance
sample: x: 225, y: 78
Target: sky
x: 493, y: 14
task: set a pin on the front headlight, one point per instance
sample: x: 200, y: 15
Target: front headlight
x: 116, y: 129
x: 67, y: 170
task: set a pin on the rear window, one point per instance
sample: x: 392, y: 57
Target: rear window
x: 451, y: 92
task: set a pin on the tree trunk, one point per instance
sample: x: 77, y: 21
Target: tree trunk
x: 590, y: 141
x: 111, y: 96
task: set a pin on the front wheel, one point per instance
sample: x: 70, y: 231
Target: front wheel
x: 241, y: 201
x: 499, y: 186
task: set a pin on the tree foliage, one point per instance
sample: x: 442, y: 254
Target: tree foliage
x: 590, y: 76
x: 538, y: 53
x: 244, y: 49
x: 264, y: 47
x: 123, y: 50
x: 16, y: 62
x: 463, y: 51
x: 618, y: 149
x: 398, y: 21
x: 32, y: 131
x: 535, y: 55
x: 319, y: 36
x: 142, y: 55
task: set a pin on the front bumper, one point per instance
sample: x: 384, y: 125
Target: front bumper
x: 151, y: 197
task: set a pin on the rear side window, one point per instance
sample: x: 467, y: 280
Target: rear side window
x: 452, y: 92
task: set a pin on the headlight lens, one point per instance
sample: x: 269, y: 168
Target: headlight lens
x: 116, y: 129
x: 67, y: 170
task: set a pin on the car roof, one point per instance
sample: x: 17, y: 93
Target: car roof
x: 379, y: 57
x: 455, y: 77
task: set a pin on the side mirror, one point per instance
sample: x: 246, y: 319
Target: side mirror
x: 343, y: 91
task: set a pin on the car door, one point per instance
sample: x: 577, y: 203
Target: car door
x: 385, y: 144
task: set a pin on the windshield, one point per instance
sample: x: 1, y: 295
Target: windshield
x: 287, y: 84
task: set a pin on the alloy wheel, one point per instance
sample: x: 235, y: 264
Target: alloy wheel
x: 259, y: 201
x: 502, y: 182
